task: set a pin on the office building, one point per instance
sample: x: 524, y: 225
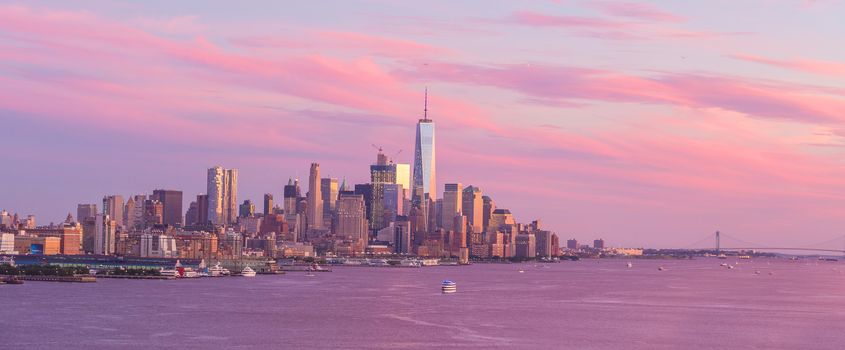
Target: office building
x: 473, y: 208
x: 113, y: 207
x: 402, y: 235
x: 315, y: 199
x: 222, y: 185
x: 246, y: 209
x: 268, y: 204
x: 598, y: 244
x: 393, y: 203
x: 488, y: 206
x: 381, y: 174
x: 171, y: 202
x: 572, y: 244
x: 104, y: 239
x: 451, y: 205
x: 329, y: 189
x: 351, y: 221
x: 84, y: 211
x: 526, y: 246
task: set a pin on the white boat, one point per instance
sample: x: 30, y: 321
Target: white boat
x: 449, y: 287
x: 248, y: 272
x: 189, y: 273
x: 410, y: 263
x: 430, y: 262
x: 629, y: 265
x: 218, y: 271
x: 730, y: 267
x: 521, y: 271
x: 169, y: 272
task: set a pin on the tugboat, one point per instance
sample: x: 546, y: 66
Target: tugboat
x: 449, y: 287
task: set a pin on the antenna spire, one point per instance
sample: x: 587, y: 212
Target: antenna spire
x: 425, y: 105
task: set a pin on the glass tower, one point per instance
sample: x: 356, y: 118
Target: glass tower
x: 424, y: 186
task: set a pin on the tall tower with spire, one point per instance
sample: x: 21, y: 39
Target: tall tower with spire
x: 424, y: 187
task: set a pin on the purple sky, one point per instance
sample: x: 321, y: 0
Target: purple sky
x: 645, y: 123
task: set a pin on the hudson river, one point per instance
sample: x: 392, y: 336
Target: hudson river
x: 589, y: 304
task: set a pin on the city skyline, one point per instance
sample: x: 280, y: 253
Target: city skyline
x: 699, y: 126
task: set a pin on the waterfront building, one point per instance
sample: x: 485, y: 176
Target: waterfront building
x: 171, y: 202
x: 84, y: 211
x: 30, y: 244
x: 502, y: 220
x: 158, y: 246
x: 329, y: 189
x: 544, y: 244
x: 89, y: 233
x: 526, y: 246
x: 572, y: 244
x: 7, y: 243
x: 104, y: 235
x: 315, y: 199
x: 69, y: 235
x: 222, y: 185
x: 113, y: 207
x: 291, y: 197
x: 451, y: 206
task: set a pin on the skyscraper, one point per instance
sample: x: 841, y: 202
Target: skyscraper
x: 393, y: 203
x: 171, y: 202
x: 315, y: 198
x: 473, y: 207
x: 268, y: 204
x: 403, y: 177
x: 104, y: 234
x: 351, y: 222
x: 329, y: 189
x: 113, y: 207
x: 487, y: 209
x: 222, y: 195
x: 424, y: 186
x: 291, y: 199
x: 381, y: 174
x: 451, y: 206
x: 246, y: 209
x: 202, y: 209
x: 84, y: 211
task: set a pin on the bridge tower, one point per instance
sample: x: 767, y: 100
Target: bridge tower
x: 718, y: 243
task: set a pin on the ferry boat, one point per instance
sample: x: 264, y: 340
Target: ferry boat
x: 430, y: 262
x: 218, y: 271
x: 248, y: 272
x: 449, y: 287
x: 169, y: 272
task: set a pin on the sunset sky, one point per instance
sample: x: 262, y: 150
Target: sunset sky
x: 645, y: 123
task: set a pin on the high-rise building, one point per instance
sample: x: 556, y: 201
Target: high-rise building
x: 598, y: 243
x: 572, y: 244
x: 544, y: 244
x: 135, y: 217
x: 403, y: 177
x: 291, y: 200
x: 171, y: 202
x: 351, y: 222
x: 526, y: 246
x: 84, y: 211
x: 488, y: 207
x: 315, y: 198
x: 329, y: 189
x: 424, y: 187
x: 113, y: 207
x: 402, y: 235
x: 366, y: 190
x: 451, y: 207
x: 191, y: 216
x: 381, y: 174
x: 473, y: 208
x: 153, y: 213
x: 393, y: 203
x: 246, y: 209
x: 222, y: 192
x: 104, y: 239
x: 268, y: 204
x: 202, y: 209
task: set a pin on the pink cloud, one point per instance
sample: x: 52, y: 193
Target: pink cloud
x: 641, y: 11
x: 803, y: 65
x: 542, y: 20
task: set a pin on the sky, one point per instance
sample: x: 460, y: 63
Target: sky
x: 648, y: 124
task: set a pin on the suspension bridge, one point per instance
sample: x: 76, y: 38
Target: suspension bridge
x: 731, y: 243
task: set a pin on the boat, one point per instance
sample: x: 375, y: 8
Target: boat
x: 724, y: 264
x: 190, y: 273
x: 317, y: 267
x: 521, y: 271
x: 629, y: 265
x: 757, y: 272
x: 660, y: 268
x: 11, y: 280
x: 218, y: 271
x: 409, y: 263
x: 248, y: 272
x: 430, y: 262
x: 745, y: 257
x: 449, y: 287
x: 730, y: 267
x: 377, y: 262
x: 722, y: 256
x: 169, y: 272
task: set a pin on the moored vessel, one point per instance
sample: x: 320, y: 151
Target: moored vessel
x: 248, y: 272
